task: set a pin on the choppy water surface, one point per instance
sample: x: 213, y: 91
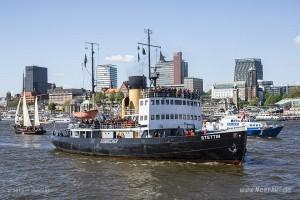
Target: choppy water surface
x: 31, y: 168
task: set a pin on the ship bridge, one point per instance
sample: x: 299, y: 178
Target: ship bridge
x: 169, y: 108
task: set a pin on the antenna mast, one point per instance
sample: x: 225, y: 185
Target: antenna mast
x: 93, y: 76
x: 152, y: 76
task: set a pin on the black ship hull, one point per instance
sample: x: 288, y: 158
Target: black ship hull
x: 227, y: 147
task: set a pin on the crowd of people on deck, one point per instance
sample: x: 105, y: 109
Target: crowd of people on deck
x: 173, y: 92
x: 116, y: 122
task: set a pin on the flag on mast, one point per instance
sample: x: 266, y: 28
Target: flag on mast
x: 161, y: 57
x: 85, y: 60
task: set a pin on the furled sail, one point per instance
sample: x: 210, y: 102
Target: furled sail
x: 26, y: 118
x: 17, y: 119
x: 36, y: 113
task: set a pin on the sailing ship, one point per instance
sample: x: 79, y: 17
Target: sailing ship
x: 23, y: 125
x: 155, y: 123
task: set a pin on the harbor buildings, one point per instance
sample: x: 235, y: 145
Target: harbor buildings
x: 193, y: 84
x: 69, y: 99
x: 172, y: 72
x: 106, y: 77
x: 251, y: 83
x: 36, y: 79
x: 228, y: 89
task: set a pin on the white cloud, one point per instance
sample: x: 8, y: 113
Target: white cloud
x: 297, y: 40
x: 120, y: 58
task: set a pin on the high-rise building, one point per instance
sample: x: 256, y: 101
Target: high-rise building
x: 172, y: 72
x: 242, y: 67
x: 106, y: 77
x: 194, y: 84
x: 36, y: 79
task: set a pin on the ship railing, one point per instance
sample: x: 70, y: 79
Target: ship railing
x: 130, y: 111
x: 111, y: 125
x: 118, y: 125
x: 173, y: 93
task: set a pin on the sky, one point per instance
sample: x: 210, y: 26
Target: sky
x: 211, y: 34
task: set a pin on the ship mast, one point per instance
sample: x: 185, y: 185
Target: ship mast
x: 152, y: 76
x: 93, y: 76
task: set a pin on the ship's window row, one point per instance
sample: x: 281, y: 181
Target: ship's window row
x: 145, y: 117
x: 170, y: 102
x: 171, y: 116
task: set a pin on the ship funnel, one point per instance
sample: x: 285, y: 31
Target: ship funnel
x: 131, y: 103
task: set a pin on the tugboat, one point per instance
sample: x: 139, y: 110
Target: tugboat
x: 155, y: 123
x: 26, y: 127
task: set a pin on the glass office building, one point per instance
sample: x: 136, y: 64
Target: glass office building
x: 36, y: 79
x: 242, y: 67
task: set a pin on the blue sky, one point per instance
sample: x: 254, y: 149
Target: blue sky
x: 211, y: 34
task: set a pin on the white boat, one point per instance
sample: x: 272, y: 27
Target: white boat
x: 253, y: 128
x: 266, y: 117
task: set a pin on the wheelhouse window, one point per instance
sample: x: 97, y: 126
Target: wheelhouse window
x: 167, y: 116
x: 180, y: 116
x: 157, y: 117
x: 162, y: 102
x: 162, y: 116
x: 152, y: 117
x: 141, y: 118
x: 183, y: 102
x: 152, y: 102
x: 171, y: 101
x: 146, y: 117
x: 188, y: 117
x: 188, y: 103
x: 146, y: 102
x: 176, y: 116
x: 167, y: 101
x: 172, y: 116
x: 157, y: 102
x: 184, y: 116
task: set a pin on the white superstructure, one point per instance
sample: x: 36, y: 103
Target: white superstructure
x: 169, y: 113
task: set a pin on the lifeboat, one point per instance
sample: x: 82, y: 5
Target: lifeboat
x: 91, y: 114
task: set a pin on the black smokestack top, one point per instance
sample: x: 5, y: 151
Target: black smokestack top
x: 137, y: 82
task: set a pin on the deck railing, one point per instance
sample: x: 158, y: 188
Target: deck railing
x: 166, y: 92
x: 117, y: 125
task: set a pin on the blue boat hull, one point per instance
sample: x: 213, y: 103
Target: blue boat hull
x: 253, y: 132
x: 270, y: 131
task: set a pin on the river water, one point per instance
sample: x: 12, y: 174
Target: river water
x: 31, y: 168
